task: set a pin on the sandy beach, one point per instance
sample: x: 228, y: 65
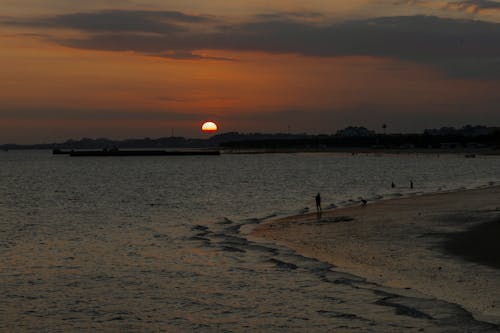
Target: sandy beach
x: 443, y: 246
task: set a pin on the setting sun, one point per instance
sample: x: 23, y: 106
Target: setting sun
x: 209, y: 126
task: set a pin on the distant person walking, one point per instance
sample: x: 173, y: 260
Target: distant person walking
x: 393, y: 185
x: 318, y: 203
x: 411, y: 184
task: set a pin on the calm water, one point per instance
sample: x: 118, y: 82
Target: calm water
x: 158, y: 243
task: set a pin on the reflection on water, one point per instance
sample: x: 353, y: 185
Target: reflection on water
x: 154, y: 243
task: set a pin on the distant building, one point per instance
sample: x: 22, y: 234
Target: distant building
x: 475, y: 145
x: 477, y: 130
x: 353, y: 131
x: 469, y: 131
x: 441, y: 131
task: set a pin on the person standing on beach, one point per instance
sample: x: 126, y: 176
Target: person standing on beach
x: 318, y: 203
x: 411, y: 184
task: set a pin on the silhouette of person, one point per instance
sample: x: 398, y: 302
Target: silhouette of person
x: 318, y: 203
x: 411, y: 184
x: 393, y: 185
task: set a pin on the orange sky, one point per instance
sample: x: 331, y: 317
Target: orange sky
x: 52, y: 90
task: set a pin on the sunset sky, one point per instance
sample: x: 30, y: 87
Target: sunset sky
x: 133, y: 68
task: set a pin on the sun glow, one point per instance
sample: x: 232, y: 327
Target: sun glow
x: 209, y: 126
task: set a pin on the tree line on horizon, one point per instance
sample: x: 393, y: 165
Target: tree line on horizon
x: 352, y: 136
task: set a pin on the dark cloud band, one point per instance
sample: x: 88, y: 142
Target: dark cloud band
x: 474, y: 5
x: 117, y: 21
x: 461, y: 47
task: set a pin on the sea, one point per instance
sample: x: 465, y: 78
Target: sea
x: 161, y: 244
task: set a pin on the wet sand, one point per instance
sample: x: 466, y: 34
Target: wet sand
x: 444, y: 246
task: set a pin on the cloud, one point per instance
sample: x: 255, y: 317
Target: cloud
x: 117, y: 21
x: 465, y: 6
x: 171, y: 99
x: 460, y: 47
x: 474, y: 6
x: 189, y: 56
x: 97, y: 115
x: 299, y: 16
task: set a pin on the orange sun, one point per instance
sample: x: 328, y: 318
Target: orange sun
x: 209, y: 126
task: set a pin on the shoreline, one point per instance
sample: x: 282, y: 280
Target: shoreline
x: 425, y: 243
x: 365, y: 150
x: 470, y: 152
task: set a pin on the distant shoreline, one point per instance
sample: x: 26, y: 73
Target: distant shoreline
x: 425, y: 243
x: 346, y: 150
x: 361, y: 150
x: 474, y: 139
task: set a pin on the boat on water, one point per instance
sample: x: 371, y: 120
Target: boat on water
x: 61, y: 152
x: 118, y: 152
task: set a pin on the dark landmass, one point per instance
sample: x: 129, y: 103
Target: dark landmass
x: 447, y: 139
x: 479, y: 244
x: 121, y: 153
x: 354, y: 138
x: 165, y: 142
